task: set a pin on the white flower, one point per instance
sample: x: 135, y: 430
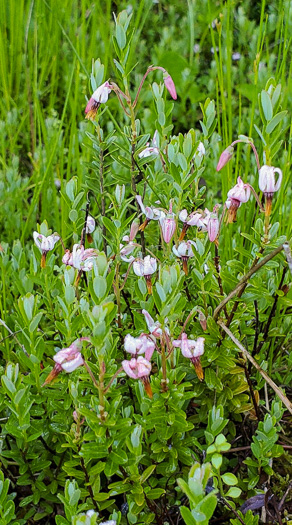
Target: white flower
x: 45, y: 244
x: 90, y: 224
x: 145, y: 267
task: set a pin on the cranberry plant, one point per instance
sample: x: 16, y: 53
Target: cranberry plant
x: 146, y: 333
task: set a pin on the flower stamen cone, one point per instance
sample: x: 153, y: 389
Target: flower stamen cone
x: 143, y: 226
x: 198, y: 367
x: 43, y: 260
x: 183, y: 232
x: 185, y: 265
x: 147, y: 386
x: 148, y: 284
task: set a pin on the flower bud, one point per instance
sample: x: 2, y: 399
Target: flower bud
x: 169, y: 84
x: 225, y: 157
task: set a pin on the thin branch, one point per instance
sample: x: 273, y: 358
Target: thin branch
x: 248, y: 356
x: 245, y: 278
x: 13, y: 335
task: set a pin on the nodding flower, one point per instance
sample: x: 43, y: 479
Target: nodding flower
x: 150, y: 150
x: 45, y: 244
x: 82, y: 259
x: 268, y: 184
x: 184, y: 251
x: 145, y: 268
x: 169, y: 84
x: 150, y: 213
x: 67, y: 359
x: 193, y: 219
x: 90, y: 227
x: 139, y: 368
x: 235, y: 197
x: 153, y: 327
x: 192, y: 349
x: 168, y: 225
x: 212, y: 222
x: 139, y: 345
x: 100, y: 96
x: 225, y: 157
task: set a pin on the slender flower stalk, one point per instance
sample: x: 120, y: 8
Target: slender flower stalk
x: 227, y: 154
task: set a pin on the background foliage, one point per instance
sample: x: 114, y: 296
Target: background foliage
x: 54, y: 468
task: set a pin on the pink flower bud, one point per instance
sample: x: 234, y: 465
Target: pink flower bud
x: 225, y: 157
x: 169, y: 84
x: 168, y: 226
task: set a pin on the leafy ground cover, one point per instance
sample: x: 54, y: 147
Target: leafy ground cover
x: 146, y: 302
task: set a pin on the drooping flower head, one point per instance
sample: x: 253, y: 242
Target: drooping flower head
x: 139, y: 368
x: 192, y: 219
x: 100, y: 96
x: 192, y: 349
x: 82, y: 259
x: 184, y: 251
x: 45, y: 244
x: 211, y: 220
x: 90, y: 227
x: 67, y: 359
x: 268, y: 184
x: 153, y: 327
x: 150, y: 213
x: 168, y: 225
x: 151, y: 149
x: 139, y: 345
x: 239, y: 194
x: 145, y: 268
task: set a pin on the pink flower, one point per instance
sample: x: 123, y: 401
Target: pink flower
x: 139, y: 345
x: 225, y: 157
x: 267, y: 182
x: 67, y: 359
x: 149, y: 212
x: 45, y: 244
x: 90, y: 224
x: 235, y: 197
x: 80, y: 258
x: 169, y: 84
x: 145, y: 268
x: 168, y: 225
x: 212, y: 222
x: 100, y: 96
x: 192, y: 349
x: 184, y: 251
x: 139, y: 368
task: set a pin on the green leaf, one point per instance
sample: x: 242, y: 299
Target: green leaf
x: 233, y: 492
x: 99, y: 286
x: 34, y: 323
x: 267, y: 105
x: 187, y: 516
x: 216, y: 460
x: 155, y: 493
x: 275, y: 121
x: 147, y: 473
x: 229, y: 478
x: 121, y: 36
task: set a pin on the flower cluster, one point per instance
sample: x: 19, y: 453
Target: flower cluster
x: 139, y: 367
